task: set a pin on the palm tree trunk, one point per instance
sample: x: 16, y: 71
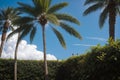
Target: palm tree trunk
x: 112, y: 20
x: 5, y: 28
x: 15, y: 59
x: 44, y: 50
x: 1, y: 47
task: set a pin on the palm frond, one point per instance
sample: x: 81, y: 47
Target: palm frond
x: 67, y: 17
x: 23, y: 20
x: 28, y: 9
x: 41, y: 5
x: 57, y: 7
x: 47, y: 4
x: 92, y: 1
x: 103, y: 17
x: 118, y: 10
x: 20, y: 29
x: 59, y: 36
x: 26, y: 30
x: 12, y: 28
x: 38, y: 4
x: 32, y: 34
x: 53, y: 19
x: 70, y: 30
x: 93, y: 8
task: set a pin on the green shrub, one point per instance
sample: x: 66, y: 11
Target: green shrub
x: 100, y: 63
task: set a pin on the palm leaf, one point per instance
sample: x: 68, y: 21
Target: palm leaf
x: 47, y: 4
x: 70, y: 30
x: 11, y: 28
x: 92, y: 1
x: 20, y: 29
x: 32, y: 34
x: 23, y: 20
x: 26, y: 30
x: 60, y: 38
x: 57, y: 7
x: 52, y: 18
x: 67, y: 17
x: 103, y: 17
x: 93, y: 8
x: 28, y: 9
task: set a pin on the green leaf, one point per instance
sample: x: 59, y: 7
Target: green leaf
x: 53, y: 19
x: 57, y: 7
x: 32, y: 34
x: 93, y: 8
x: 60, y: 38
x: 103, y: 17
x: 26, y: 30
x: 28, y: 9
x: 70, y: 30
x: 20, y: 29
x: 67, y: 17
x: 23, y: 20
x: 93, y: 1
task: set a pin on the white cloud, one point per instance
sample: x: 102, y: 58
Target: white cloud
x: 87, y: 45
x: 97, y: 38
x: 25, y: 51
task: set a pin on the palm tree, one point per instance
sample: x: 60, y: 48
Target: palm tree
x: 7, y: 16
x: 42, y: 13
x: 110, y: 8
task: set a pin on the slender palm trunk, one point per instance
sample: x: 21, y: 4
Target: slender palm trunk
x: 15, y: 60
x: 112, y: 20
x: 5, y: 28
x: 44, y: 50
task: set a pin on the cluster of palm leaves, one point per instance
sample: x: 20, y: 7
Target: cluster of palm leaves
x: 41, y: 12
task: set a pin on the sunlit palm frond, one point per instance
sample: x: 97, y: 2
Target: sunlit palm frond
x: 103, y: 17
x: 70, y: 30
x: 59, y: 36
x: 93, y: 8
x: 57, y: 7
x: 53, y: 19
x: 67, y: 17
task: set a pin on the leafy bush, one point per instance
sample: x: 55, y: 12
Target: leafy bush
x: 27, y: 70
x: 100, y: 63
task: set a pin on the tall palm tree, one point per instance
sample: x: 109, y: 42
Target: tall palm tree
x: 42, y: 13
x: 110, y: 8
x: 7, y: 16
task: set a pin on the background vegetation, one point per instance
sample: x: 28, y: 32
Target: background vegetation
x: 99, y: 63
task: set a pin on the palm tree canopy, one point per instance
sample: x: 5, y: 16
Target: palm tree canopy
x: 104, y: 5
x: 9, y: 14
x: 41, y: 12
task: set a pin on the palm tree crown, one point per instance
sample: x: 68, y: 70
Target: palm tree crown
x: 42, y: 13
x: 7, y: 17
x: 110, y: 8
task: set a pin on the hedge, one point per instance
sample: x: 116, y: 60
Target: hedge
x: 99, y: 63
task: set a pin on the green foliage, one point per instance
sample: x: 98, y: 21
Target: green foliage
x: 27, y: 70
x: 100, y: 63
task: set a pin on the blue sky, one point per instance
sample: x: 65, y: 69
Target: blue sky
x: 89, y: 30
